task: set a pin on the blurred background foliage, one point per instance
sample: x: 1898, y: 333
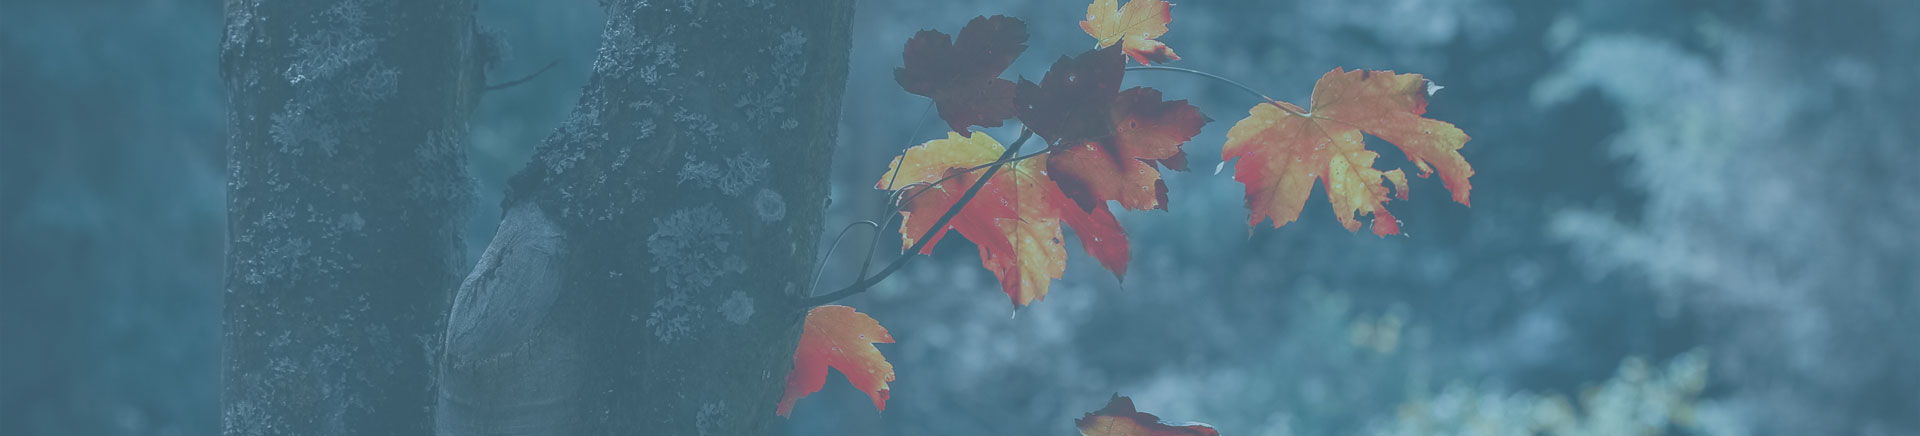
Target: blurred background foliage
x: 1690, y: 217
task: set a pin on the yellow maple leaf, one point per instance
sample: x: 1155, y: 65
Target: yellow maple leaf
x: 1134, y: 26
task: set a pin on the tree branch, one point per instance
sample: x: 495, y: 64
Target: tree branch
x: 868, y: 282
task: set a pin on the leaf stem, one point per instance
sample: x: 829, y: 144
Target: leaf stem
x: 868, y: 282
x: 1243, y: 87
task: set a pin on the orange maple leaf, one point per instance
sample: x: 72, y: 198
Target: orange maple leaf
x: 1106, y: 142
x: 1018, y: 225
x: 1119, y: 419
x: 962, y: 75
x: 1133, y: 26
x: 1283, y: 149
x: 841, y: 338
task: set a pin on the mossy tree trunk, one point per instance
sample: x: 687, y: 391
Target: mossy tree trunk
x: 346, y: 183
x: 644, y: 279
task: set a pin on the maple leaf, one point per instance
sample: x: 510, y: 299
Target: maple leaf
x: 1119, y: 419
x: 1133, y: 26
x: 1106, y: 143
x: 1100, y: 233
x: 1039, y: 254
x: 1177, y: 163
x: 1017, y: 233
x: 841, y: 338
x: 919, y: 171
x: 1015, y: 219
x: 1283, y: 149
x: 962, y: 75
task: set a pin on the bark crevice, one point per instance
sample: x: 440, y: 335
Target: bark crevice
x: 510, y: 370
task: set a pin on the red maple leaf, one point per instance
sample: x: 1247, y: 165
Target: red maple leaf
x: 1106, y: 143
x: 1100, y: 233
x: 841, y: 338
x: 963, y: 76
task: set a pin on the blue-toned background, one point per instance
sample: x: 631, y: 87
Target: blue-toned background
x: 1689, y: 216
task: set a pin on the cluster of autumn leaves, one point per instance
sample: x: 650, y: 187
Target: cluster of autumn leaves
x: 1105, y: 145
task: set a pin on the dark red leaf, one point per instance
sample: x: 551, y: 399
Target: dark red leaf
x: 1119, y: 419
x: 963, y: 77
x: 1073, y: 102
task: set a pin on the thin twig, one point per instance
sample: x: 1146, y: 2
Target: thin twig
x: 1243, y: 87
x: 815, y: 283
x: 523, y: 79
x: 892, y: 198
x: 868, y: 282
x: 919, y: 121
x: 874, y: 246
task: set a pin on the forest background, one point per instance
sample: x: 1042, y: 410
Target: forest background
x: 1690, y: 215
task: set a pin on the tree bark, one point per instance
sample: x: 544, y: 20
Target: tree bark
x: 346, y: 186
x: 645, y: 277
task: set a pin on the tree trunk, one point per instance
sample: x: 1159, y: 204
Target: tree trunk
x: 645, y: 276
x: 346, y: 183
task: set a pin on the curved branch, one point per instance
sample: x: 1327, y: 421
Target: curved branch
x: 868, y: 282
x: 874, y: 246
x: 815, y: 282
